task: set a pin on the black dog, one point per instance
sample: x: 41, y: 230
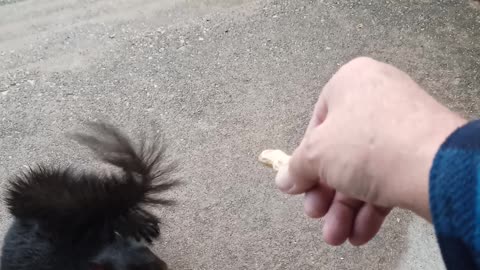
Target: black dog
x: 66, y: 219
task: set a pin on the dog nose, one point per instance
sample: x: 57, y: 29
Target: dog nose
x: 156, y: 265
x: 127, y: 256
x: 149, y: 261
x: 162, y: 265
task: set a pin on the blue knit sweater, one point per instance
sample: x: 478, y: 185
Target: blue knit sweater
x: 455, y: 197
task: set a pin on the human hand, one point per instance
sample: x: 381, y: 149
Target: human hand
x: 369, y: 147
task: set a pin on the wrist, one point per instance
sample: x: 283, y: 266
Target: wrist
x: 416, y: 197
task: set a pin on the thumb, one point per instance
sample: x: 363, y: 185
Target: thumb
x: 302, y: 172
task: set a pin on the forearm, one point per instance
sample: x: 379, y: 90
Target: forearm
x: 454, y: 195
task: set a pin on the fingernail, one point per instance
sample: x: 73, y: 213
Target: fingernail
x: 283, y: 180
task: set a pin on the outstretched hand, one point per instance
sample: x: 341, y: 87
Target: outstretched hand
x: 368, y: 148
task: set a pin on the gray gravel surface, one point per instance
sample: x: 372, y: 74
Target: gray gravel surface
x: 224, y: 80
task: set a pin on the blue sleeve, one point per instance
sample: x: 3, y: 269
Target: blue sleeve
x: 454, y: 196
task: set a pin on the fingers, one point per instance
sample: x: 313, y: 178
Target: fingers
x: 345, y: 218
x: 318, y: 200
x: 367, y: 224
x: 340, y: 219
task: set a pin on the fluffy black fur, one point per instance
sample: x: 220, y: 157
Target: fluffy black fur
x: 69, y: 219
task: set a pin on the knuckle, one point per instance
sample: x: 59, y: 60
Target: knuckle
x: 362, y: 61
x: 361, y: 65
x: 356, y: 71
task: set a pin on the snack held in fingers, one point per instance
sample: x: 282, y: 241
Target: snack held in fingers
x: 274, y: 159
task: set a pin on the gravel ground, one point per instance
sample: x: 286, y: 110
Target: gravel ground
x: 224, y: 80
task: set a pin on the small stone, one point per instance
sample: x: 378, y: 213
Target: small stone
x: 31, y: 82
x: 200, y: 38
x: 112, y: 36
x: 328, y: 48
